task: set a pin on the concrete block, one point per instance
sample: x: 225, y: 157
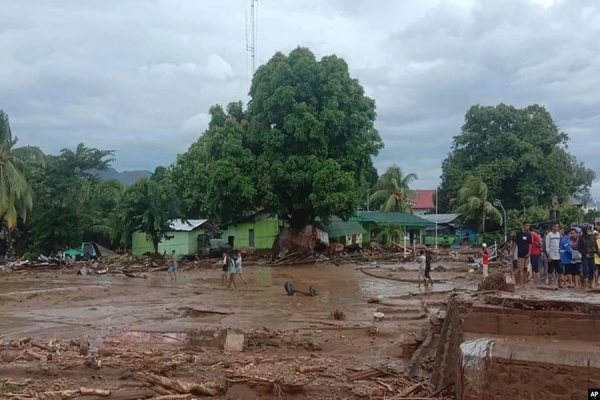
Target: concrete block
x: 234, y: 341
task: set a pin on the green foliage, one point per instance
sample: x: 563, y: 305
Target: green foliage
x: 302, y: 150
x: 541, y: 217
x: 305, y: 116
x: 147, y: 207
x: 392, y: 191
x: 473, y: 203
x: 70, y: 202
x: 519, y: 153
x: 16, y: 195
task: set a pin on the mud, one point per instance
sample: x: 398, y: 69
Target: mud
x: 104, y: 331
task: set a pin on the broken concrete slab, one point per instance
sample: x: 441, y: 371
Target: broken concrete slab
x: 234, y: 341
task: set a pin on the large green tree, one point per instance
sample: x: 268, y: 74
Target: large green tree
x: 311, y: 129
x: 520, y: 154
x: 392, y: 191
x: 148, y: 206
x: 16, y: 195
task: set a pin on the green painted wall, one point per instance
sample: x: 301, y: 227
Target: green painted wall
x: 265, y: 231
x: 184, y: 243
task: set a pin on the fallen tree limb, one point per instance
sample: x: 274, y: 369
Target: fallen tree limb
x: 391, y: 278
x: 199, y: 389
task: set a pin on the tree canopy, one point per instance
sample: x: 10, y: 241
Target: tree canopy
x: 520, y: 154
x: 302, y: 149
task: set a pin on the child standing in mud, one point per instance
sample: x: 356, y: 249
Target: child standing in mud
x: 422, y: 263
x: 232, y: 271
x: 225, y: 269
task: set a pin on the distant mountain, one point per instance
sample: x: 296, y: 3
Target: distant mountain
x: 125, y: 177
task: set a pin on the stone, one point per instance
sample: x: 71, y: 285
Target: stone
x: 234, y: 342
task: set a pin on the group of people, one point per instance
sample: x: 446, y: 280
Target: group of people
x: 569, y: 257
x: 232, y: 266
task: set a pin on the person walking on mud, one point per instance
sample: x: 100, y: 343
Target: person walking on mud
x: 428, y: 280
x: 422, y: 260
x: 225, y: 269
x: 172, y: 271
x: 238, y: 267
x: 232, y: 270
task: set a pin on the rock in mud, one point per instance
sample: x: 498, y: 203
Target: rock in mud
x: 495, y: 281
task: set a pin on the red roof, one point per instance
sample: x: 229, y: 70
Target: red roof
x: 425, y: 200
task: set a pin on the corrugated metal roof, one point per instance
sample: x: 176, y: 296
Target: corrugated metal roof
x: 336, y: 229
x: 441, y: 218
x: 395, y: 218
x: 180, y: 225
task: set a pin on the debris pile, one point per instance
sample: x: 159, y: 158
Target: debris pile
x: 495, y: 282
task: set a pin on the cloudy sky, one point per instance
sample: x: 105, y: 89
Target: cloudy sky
x: 138, y: 76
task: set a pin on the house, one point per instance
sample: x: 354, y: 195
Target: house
x: 424, y: 202
x: 375, y: 222
x: 184, y: 238
x: 348, y: 233
x: 257, y: 231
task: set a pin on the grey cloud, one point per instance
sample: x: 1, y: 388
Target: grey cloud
x: 139, y: 76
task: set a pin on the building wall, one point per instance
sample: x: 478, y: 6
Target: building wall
x: 265, y: 231
x: 184, y: 243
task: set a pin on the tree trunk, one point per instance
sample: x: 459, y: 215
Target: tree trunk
x: 483, y: 222
x: 155, y: 243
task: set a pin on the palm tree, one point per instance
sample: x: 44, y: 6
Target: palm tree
x: 16, y: 196
x: 473, y: 202
x: 393, y: 190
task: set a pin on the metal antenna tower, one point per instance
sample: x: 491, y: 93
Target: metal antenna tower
x: 251, y: 37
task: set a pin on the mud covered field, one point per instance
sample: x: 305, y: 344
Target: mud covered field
x: 65, y: 335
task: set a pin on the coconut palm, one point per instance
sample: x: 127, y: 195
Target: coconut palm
x: 393, y: 190
x: 16, y: 196
x: 473, y: 202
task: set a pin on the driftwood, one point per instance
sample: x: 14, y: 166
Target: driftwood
x: 391, y: 278
x: 199, y: 389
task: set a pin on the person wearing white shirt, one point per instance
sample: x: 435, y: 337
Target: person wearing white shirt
x: 238, y: 268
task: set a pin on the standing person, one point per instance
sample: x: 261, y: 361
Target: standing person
x: 428, y: 280
x: 485, y: 260
x: 553, y: 250
x: 586, y: 248
x: 513, y: 254
x: 544, y: 261
x: 566, y: 259
x: 597, y: 254
x: 232, y: 269
x: 535, y: 252
x: 575, y: 257
x: 172, y: 271
x: 523, y: 242
x: 225, y: 269
x: 422, y: 261
x: 238, y: 267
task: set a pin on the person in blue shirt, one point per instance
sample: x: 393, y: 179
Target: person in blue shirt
x: 566, y: 257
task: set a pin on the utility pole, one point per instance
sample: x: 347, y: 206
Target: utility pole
x: 251, y: 38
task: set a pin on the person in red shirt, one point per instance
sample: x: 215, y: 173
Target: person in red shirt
x: 535, y: 253
x: 485, y: 255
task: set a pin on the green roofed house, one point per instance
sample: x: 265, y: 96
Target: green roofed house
x: 348, y: 233
x: 377, y: 221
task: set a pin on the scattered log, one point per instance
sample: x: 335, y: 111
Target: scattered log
x: 94, y: 392
x: 199, y: 389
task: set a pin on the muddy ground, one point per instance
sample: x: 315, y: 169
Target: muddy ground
x: 143, y: 338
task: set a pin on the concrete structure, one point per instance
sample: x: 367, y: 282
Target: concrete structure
x: 184, y: 238
x: 510, y: 346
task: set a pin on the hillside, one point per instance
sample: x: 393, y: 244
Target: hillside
x: 125, y: 177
